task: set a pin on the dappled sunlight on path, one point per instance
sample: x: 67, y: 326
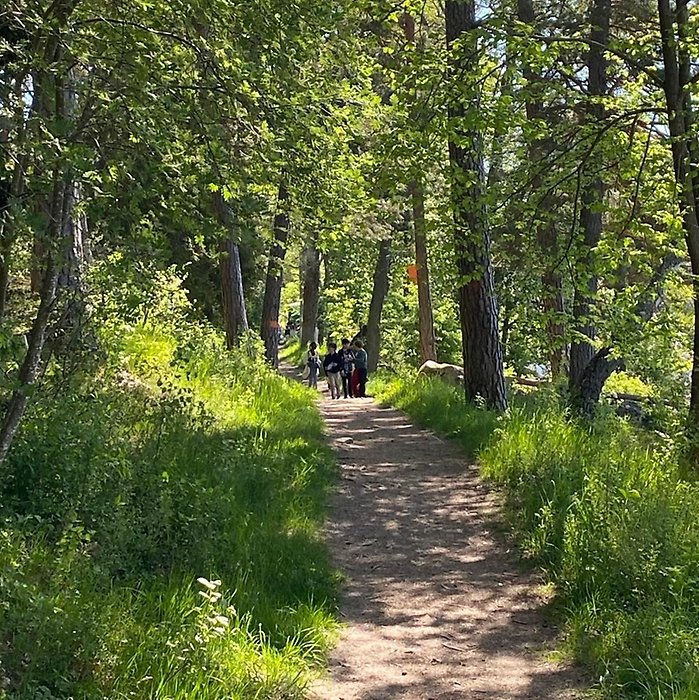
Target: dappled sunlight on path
x: 436, y: 606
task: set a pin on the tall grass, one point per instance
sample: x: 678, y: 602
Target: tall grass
x: 604, y: 511
x: 159, y: 533
x: 437, y: 405
x: 292, y: 353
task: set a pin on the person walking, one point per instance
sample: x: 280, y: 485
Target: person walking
x: 332, y: 363
x: 346, y: 366
x: 313, y: 362
x: 360, y: 363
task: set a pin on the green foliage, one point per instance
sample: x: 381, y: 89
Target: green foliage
x: 179, y: 461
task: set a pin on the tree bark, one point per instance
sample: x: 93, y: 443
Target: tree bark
x: 582, y: 351
x: 274, y: 281
x: 593, y: 379
x: 677, y: 91
x: 378, y: 297
x: 235, y: 318
x: 233, y: 297
x: 29, y: 371
x: 310, y: 291
x: 59, y: 206
x: 428, y: 344
x: 60, y: 210
x: 482, y: 351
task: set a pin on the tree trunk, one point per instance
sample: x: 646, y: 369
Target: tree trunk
x: 593, y: 379
x: 235, y: 318
x: 482, y: 351
x: 59, y: 210
x: 428, y: 345
x: 273, y: 284
x: 676, y: 63
x: 234, y: 313
x: 554, y: 308
x: 49, y: 102
x: 582, y: 351
x: 29, y: 371
x: 310, y: 291
x: 378, y: 297
x: 5, y: 260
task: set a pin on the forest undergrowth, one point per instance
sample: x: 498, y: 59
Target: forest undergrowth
x: 159, y: 527
x: 605, y: 512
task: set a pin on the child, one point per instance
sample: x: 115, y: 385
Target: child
x: 332, y: 365
x: 360, y: 363
x: 313, y: 362
x: 346, y: 361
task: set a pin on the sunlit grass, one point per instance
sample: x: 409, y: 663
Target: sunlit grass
x: 603, y: 510
x: 438, y: 405
x: 185, y: 461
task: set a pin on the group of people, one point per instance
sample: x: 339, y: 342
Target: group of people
x: 345, y: 368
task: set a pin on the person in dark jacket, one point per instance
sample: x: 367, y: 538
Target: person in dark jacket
x: 332, y: 364
x: 347, y: 364
x: 360, y: 364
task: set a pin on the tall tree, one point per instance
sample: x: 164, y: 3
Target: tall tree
x: 539, y: 147
x: 310, y: 289
x: 416, y: 191
x: 676, y: 40
x: 378, y: 297
x: 586, y: 285
x: 274, y: 280
x: 478, y: 312
x: 235, y: 316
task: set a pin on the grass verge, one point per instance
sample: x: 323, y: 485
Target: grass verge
x: 604, y: 511
x: 159, y: 530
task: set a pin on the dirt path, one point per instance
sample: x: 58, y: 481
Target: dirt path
x: 436, y: 606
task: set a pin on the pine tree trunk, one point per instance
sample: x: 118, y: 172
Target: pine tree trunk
x: 234, y: 314
x: 482, y: 351
x: 428, y: 345
x: 378, y: 297
x: 310, y: 291
x: 235, y: 318
x: 274, y: 282
x: 581, y: 351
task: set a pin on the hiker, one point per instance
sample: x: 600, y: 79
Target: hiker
x: 313, y: 362
x: 346, y: 366
x: 332, y: 363
x: 360, y: 364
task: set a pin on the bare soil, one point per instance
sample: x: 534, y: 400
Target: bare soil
x: 436, y: 602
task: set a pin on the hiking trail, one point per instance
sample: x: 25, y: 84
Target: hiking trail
x: 435, y: 604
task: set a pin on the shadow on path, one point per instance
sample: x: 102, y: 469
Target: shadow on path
x: 436, y: 606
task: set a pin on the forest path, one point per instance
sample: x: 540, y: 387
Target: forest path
x: 435, y: 604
